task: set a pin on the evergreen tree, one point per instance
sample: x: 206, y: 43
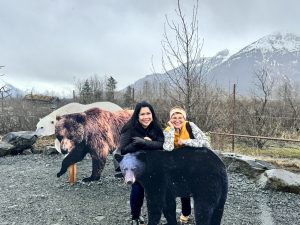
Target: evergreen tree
x: 86, y: 93
x: 111, y: 86
x: 129, y: 97
x: 96, y: 85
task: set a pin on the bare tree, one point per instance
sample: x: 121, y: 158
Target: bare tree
x: 90, y: 90
x: 182, y: 60
x: 128, y: 97
x: 288, y: 92
x: 97, y: 86
x: 212, y: 110
x: 259, y: 109
x: 5, y: 92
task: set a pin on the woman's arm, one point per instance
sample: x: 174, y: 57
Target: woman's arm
x: 200, y: 138
x: 169, y: 134
x: 154, y: 143
x: 126, y: 145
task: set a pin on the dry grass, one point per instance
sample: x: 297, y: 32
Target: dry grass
x: 42, y: 142
x: 271, y: 151
x: 284, y: 163
x: 285, y: 157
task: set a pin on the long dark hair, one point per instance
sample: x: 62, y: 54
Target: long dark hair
x: 134, y: 120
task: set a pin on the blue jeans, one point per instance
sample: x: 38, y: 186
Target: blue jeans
x: 136, y: 199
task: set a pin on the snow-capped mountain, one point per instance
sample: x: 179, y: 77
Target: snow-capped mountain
x: 10, y: 89
x: 157, y: 79
x: 278, y: 53
x: 277, y: 42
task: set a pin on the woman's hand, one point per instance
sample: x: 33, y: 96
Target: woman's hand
x: 147, y: 138
x: 170, y: 124
x: 181, y: 141
x: 137, y: 141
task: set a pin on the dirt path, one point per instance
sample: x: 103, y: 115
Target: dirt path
x: 30, y: 193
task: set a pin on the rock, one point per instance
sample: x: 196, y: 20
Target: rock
x: 37, y: 150
x: 281, y: 180
x: 247, y: 165
x: 27, y: 152
x: 50, y: 150
x: 99, y: 218
x: 41, y: 144
x: 20, y: 140
x: 5, y: 148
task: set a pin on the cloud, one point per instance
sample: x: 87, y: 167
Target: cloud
x: 54, y: 41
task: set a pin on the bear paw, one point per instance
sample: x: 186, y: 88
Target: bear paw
x: 59, y: 174
x: 89, y: 179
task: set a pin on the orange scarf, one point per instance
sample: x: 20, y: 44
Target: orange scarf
x: 182, y: 134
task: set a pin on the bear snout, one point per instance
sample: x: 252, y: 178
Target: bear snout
x: 64, y: 151
x: 66, y: 146
x: 129, y: 177
x: 129, y: 181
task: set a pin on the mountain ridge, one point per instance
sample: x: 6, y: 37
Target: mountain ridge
x: 12, y: 90
x: 279, y: 53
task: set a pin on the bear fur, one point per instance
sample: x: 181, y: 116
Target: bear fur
x: 46, y: 125
x: 185, y: 172
x: 94, y: 131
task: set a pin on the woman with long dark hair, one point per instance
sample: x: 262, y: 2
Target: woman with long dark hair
x: 142, y: 132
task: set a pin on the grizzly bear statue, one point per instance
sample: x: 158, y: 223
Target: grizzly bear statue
x: 94, y: 131
x: 185, y: 172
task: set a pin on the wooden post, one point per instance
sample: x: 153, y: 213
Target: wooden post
x: 73, y: 171
x: 233, y: 116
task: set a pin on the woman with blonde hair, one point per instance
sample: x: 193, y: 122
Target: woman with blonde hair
x: 179, y: 133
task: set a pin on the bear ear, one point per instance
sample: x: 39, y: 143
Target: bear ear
x: 118, y: 157
x: 58, y: 118
x: 80, y: 118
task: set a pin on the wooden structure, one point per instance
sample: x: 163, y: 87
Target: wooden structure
x: 73, y: 171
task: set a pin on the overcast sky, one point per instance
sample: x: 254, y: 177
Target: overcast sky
x: 46, y: 44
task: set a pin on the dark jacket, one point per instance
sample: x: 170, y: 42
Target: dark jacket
x: 129, y: 133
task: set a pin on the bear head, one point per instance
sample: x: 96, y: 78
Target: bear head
x: 69, y: 131
x: 131, y: 166
x: 45, y: 126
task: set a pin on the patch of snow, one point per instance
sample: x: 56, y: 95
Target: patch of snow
x: 274, y: 43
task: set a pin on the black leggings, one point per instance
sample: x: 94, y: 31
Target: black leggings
x: 136, y: 199
x: 186, y: 206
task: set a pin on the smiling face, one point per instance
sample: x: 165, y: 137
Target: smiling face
x: 145, y: 117
x: 177, y: 120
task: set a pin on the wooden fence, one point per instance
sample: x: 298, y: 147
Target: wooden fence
x: 220, y: 141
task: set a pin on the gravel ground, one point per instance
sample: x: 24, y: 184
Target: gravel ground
x: 30, y: 193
